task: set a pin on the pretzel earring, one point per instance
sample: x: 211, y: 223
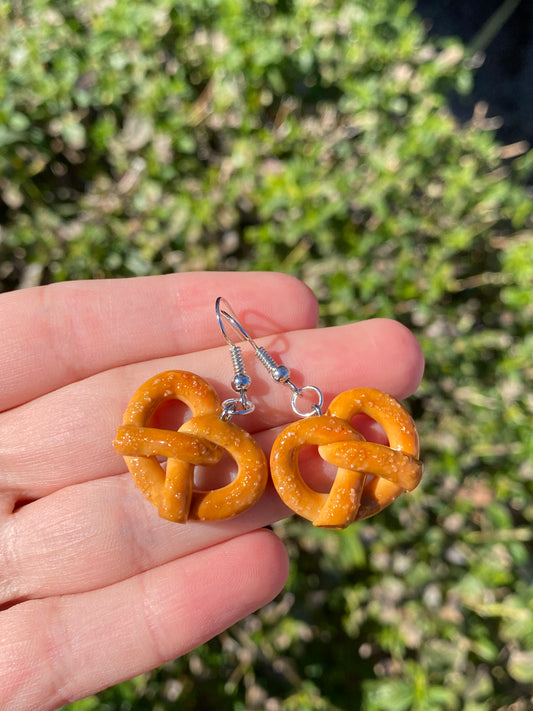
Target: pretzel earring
x: 201, y: 440
x: 369, y: 477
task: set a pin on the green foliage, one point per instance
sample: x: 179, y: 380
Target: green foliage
x: 310, y: 137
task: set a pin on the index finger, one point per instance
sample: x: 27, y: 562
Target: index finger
x: 61, y: 333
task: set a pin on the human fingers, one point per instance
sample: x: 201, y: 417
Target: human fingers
x: 77, y: 439
x: 57, y: 334
x: 59, y: 649
x: 96, y: 533
x: 101, y: 531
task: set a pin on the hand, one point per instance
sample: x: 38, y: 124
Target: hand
x: 94, y: 586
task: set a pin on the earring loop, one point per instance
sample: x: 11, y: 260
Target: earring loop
x: 316, y: 408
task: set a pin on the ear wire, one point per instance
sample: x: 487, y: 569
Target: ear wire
x: 279, y: 372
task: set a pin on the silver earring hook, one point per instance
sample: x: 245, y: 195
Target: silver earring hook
x: 241, y: 405
x: 280, y: 373
x: 229, y: 314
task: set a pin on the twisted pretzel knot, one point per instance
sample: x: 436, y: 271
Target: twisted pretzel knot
x: 369, y: 475
x: 199, y: 441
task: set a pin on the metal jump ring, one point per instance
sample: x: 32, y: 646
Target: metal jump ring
x: 316, y: 409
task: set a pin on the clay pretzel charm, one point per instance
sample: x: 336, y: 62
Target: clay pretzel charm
x: 199, y: 441
x: 369, y: 477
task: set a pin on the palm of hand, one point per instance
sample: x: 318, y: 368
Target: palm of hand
x: 94, y: 586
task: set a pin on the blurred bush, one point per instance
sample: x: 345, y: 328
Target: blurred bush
x: 310, y: 137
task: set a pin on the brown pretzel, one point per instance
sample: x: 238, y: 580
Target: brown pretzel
x: 199, y: 441
x: 370, y: 476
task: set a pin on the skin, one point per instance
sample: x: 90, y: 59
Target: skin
x: 94, y: 586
